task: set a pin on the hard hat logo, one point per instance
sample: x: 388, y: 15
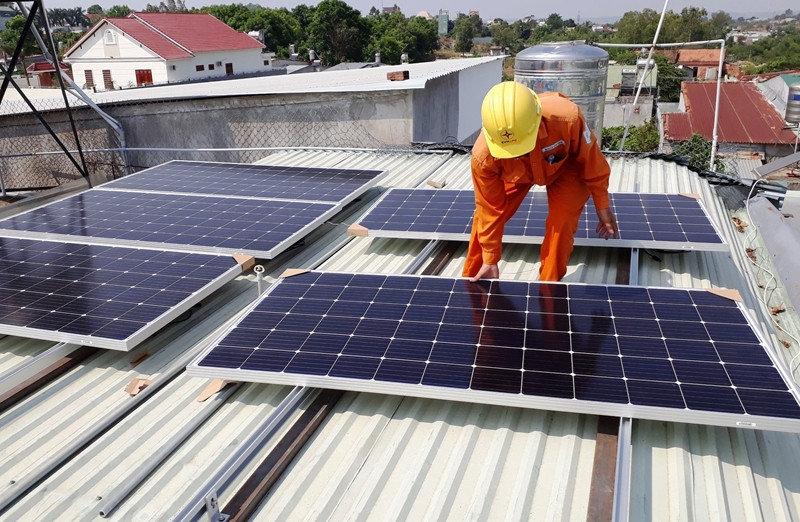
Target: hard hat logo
x: 510, y: 116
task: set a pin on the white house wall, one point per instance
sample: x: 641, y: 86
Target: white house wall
x: 123, y: 72
x: 95, y: 48
x: 127, y: 56
x: 244, y: 61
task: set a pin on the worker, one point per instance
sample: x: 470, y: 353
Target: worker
x: 529, y: 140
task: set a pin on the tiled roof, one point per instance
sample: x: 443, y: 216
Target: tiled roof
x: 197, y: 32
x: 179, y: 35
x: 698, y: 56
x: 151, y: 39
x: 745, y: 116
x: 44, y: 67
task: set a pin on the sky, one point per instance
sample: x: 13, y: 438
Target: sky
x: 578, y: 10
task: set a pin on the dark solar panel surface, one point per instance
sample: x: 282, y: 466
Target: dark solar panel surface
x: 98, y: 295
x: 645, y: 352
x: 643, y: 219
x: 194, y: 222
x: 247, y: 180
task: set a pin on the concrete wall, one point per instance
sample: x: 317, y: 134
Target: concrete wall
x: 436, y: 110
x: 361, y: 120
x: 616, y: 114
x: 449, y: 107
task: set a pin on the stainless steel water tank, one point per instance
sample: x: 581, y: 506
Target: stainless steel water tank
x: 575, y: 69
x: 793, y: 104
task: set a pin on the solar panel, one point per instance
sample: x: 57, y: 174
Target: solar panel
x: 261, y: 228
x: 662, y: 221
x: 656, y: 353
x: 108, y: 297
x: 247, y: 180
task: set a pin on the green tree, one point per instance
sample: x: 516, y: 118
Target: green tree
x: 170, y: 6
x: 280, y: 29
x: 669, y: 79
x: 637, y: 27
x: 464, y: 32
x: 504, y: 35
x: 304, y: 15
x: 641, y: 138
x: 72, y: 17
x: 721, y: 24
x: 10, y: 37
x: 554, y: 22
x: 118, y: 11
x: 235, y: 15
x: 423, y: 41
x: 338, y: 33
x: 95, y: 9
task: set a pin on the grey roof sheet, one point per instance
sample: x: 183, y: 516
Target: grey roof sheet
x: 379, y: 456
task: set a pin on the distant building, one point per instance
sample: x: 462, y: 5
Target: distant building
x: 154, y: 48
x: 45, y: 73
x: 6, y: 14
x: 444, y: 21
x: 747, y: 121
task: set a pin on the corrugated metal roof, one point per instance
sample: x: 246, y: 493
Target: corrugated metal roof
x: 359, y: 80
x: 744, y: 115
x: 677, y: 126
x: 379, y: 456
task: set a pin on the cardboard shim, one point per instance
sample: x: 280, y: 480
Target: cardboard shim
x: 246, y: 261
x: 436, y: 184
x: 144, y: 354
x: 291, y: 272
x: 733, y: 295
x: 357, y: 230
x: 212, y: 389
x: 136, y: 385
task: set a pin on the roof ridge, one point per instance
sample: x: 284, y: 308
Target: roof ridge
x: 162, y: 33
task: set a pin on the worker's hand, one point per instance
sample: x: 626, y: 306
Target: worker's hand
x: 486, y: 271
x: 608, y: 224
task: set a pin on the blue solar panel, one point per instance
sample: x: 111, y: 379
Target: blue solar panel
x: 667, y: 221
x: 665, y: 354
x: 109, y: 297
x: 247, y: 180
x: 262, y: 228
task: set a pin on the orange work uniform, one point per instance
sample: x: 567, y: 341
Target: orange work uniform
x: 566, y: 160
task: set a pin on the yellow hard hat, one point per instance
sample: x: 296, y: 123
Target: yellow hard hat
x: 510, y: 115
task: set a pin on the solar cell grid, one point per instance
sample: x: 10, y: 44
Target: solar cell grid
x: 110, y: 297
x: 514, y: 343
x: 248, y: 180
x: 645, y: 220
x: 195, y: 223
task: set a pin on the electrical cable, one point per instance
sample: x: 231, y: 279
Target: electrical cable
x: 764, y: 300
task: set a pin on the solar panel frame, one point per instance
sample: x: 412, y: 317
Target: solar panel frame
x: 446, y: 214
x: 249, y: 180
x: 112, y: 214
x: 585, y: 347
x: 58, y: 291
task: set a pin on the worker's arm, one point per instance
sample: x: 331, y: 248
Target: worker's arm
x: 596, y: 172
x: 490, y: 204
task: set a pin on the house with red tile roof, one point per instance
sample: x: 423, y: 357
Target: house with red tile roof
x: 45, y: 73
x: 746, y: 120
x: 156, y: 48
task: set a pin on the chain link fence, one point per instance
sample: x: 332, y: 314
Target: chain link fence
x: 238, y: 129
